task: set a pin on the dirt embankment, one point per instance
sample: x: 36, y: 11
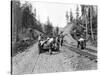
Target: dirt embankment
x: 68, y: 38
x: 24, y: 62
x: 30, y: 61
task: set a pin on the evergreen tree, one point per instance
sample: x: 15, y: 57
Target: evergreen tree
x: 77, y: 12
x: 71, y: 16
x: 28, y: 17
x: 67, y: 16
x: 49, y: 28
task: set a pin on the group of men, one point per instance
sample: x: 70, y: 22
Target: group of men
x: 52, y: 42
x: 57, y: 42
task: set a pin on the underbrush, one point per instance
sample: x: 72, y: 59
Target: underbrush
x: 21, y: 46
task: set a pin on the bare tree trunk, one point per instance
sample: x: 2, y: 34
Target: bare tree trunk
x: 91, y: 23
x: 86, y: 27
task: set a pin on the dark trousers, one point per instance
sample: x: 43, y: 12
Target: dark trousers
x: 61, y: 42
x: 81, y: 44
x: 78, y: 43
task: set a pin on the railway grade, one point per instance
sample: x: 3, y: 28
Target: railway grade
x: 88, y: 55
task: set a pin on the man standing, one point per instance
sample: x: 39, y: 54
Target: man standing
x: 39, y: 43
x: 39, y: 38
x: 81, y: 42
x: 62, y: 38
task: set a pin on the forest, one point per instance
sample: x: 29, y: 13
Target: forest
x: 84, y: 25
x: 25, y: 27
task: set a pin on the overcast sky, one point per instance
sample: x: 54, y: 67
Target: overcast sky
x: 55, y: 11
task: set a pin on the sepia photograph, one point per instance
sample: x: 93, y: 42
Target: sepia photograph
x: 49, y: 37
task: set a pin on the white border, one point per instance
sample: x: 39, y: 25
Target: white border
x: 5, y: 36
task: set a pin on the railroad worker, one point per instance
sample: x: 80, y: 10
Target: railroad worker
x: 78, y: 42
x: 39, y: 43
x: 58, y: 41
x: 50, y: 44
x: 62, y: 38
x: 39, y: 38
x: 81, y: 42
x: 50, y: 40
x: 78, y: 38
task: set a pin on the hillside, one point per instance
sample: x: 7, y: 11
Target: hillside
x: 68, y: 37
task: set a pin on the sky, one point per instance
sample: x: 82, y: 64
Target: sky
x: 55, y: 11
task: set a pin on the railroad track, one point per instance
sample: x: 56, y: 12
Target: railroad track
x: 82, y: 53
x: 35, y: 62
x: 77, y: 50
x: 91, y: 50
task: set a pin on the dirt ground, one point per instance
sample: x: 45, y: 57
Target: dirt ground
x: 29, y: 61
x: 66, y: 60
